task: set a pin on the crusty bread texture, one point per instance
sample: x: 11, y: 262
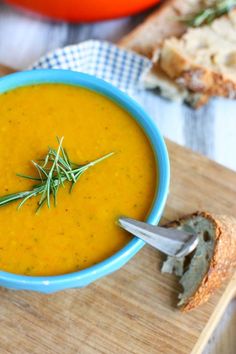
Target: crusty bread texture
x: 156, y: 78
x: 147, y: 39
x: 204, y: 59
x: 211, y: 263
x: 189, y: 64
x: 161, y: 24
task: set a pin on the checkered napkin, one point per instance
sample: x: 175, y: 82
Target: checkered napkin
x: 118, y: 66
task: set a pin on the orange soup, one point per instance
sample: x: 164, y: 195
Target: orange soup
x: 81, y: 229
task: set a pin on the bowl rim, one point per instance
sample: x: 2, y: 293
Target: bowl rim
x: 114, y: 262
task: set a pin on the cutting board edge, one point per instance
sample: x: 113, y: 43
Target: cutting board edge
x: 229, y: 294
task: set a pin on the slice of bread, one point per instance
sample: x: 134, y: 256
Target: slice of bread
x: 161, y: 24
x: 156, y: 78
x: 204, y: 59
x: 210, y: 264
x: 148, y: 38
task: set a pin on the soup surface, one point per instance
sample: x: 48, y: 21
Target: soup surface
x: 81, y: 230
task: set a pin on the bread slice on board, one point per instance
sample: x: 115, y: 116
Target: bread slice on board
x: 204, y: 59
x: 211, y: 263
x: 148, y: 38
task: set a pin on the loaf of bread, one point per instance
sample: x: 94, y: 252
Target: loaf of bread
x: 214, y: 259
x: 204, y: 59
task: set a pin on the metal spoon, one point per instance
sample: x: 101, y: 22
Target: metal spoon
x: 175, y: 243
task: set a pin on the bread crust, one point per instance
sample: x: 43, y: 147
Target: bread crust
x: 147, y: 39
x: 223, y: 261
x: 208, y: 82
x: 156, y: 77
x: 154, y: 26
x: 196, y: 100
x: 195, y: 77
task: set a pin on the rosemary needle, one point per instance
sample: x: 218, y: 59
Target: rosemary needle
x: 55, y: 169
x: 209, y: 14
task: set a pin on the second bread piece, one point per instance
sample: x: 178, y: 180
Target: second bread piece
x: 147, y: 40
x: 204, y: 59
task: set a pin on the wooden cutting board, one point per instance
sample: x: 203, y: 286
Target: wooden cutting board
x: 132, y: 310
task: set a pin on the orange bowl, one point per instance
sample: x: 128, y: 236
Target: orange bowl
x: 84, y: 10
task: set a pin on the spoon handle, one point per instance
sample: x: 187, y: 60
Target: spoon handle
x: 175, y: 243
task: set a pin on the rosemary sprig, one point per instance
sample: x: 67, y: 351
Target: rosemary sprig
x: 209, y: 14
x: 55, y: 169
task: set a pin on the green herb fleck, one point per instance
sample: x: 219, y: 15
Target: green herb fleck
x: 209, y: 14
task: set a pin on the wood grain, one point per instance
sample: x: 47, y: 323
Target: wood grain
x: 223, y: 339
x: 132, y: 310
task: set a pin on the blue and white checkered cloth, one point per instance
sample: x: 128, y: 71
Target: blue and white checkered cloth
x: 118, y: 66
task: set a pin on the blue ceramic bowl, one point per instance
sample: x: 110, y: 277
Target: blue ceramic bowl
x: 49, y: 284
